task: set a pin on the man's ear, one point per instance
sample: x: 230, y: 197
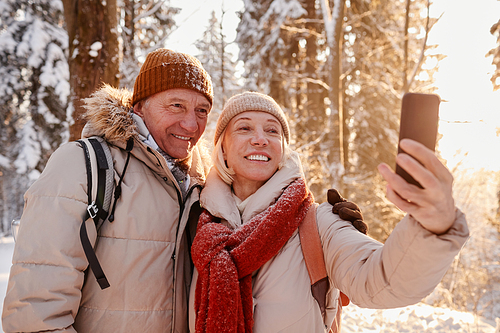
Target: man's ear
x: 138, y: 109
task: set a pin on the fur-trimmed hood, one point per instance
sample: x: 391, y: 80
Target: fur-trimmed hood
x: 109, y: 114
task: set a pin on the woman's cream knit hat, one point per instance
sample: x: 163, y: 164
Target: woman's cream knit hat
x: 250, y: 101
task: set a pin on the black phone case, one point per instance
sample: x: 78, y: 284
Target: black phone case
x: 419, y: 122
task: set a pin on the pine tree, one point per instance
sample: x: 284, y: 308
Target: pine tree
x: 264, y: 44
x: 281, y: 44
x: 34, y: 77
x: 34, y: 90
x: 338, y: 69
x: 219, y: 63
x: 144, y: 26
x: 374, y: 83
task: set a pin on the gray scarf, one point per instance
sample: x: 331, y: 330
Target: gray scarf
x: 180, y: 175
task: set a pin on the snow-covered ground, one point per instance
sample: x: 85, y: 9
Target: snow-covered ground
x: 417, y: 318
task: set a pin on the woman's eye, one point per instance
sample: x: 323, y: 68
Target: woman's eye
x: 273, y: 130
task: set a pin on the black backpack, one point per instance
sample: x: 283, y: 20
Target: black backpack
x: 98, y: 157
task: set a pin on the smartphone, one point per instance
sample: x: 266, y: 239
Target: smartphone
x: 419, y: 122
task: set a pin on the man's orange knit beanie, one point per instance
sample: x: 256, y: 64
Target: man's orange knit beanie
x: 166, y: 69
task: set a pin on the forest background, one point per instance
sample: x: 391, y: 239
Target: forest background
x: 338, y: 68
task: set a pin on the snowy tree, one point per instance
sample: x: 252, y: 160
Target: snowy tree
x: 220, y: 64
x: 96, y: 30
x: 93, y: 52
x: 384, y: 49
x: 263, y: 44
x: 338, y: 68
x: 495, y: 78
x: 332, y: 13
x: 34, y: 90
x: 144, y: 25
x: 282, y: 46
x: 39, y: 94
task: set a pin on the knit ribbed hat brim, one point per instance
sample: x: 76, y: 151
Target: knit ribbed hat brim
x: 250, y: 101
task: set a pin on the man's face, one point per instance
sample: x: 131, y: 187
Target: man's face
x: 176, y: 118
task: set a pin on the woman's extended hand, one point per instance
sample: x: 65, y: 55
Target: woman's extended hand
x: 433, y: 206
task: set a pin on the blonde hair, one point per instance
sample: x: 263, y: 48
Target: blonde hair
x: 226, y: 173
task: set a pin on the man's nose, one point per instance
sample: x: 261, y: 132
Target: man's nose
x: 189, y: 122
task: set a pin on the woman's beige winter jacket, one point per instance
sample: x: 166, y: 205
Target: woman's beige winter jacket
x: 143, y: 252
x: 399, y: 273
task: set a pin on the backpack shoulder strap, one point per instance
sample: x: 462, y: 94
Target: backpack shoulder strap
x: 97, y: 208
x: 315, y: 262
x: 313, y: 257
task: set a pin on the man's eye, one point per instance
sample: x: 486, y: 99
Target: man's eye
x: 177, y: 105
x: 203, y: 112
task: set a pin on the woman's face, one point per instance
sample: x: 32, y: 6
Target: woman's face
x: 252, y: 147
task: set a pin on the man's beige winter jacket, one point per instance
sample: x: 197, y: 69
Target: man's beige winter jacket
x: 144, y: 252
x: 401, y: 272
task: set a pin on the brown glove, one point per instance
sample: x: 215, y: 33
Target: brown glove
x: 347, y: 210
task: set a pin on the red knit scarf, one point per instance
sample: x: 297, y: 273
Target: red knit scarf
x: 225, y: 260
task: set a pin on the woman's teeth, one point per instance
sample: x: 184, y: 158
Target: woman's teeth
x: 258, y: 158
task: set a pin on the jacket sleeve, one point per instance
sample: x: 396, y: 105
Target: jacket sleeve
x: 47, y: 273
x: 398, y: 273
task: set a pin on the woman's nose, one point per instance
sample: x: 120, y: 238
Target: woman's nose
x: 259, y: 139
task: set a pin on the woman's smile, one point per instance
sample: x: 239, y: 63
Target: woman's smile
x: 261, y: 158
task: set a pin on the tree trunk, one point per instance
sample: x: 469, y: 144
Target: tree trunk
x: 222, y: 58
x: 128, y: 29
x: 343, y: 117
x: 315, y: 97
x: 90, y: 22
x: 333, y: 18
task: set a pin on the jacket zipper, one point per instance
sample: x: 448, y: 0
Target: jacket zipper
x: 181, y: 210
